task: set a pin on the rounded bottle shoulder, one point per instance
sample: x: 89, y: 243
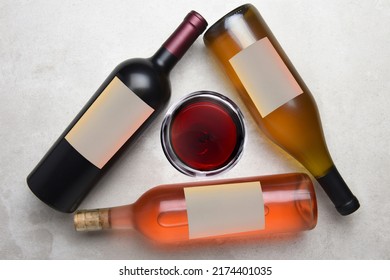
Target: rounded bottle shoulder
x: 140, y: 64
x: 146, y: 80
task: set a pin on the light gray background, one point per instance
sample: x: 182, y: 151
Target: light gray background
x: 55, y: 54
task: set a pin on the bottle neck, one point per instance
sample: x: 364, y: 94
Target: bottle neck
x: 164, y: 60
x: 121, y: 217
x: 180, y: 41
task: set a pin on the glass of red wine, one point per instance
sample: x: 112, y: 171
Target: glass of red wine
x: 203, y: 134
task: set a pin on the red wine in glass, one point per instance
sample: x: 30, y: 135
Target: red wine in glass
x: 203, y: 134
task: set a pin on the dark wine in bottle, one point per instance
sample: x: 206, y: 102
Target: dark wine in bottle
x: 124, y: 105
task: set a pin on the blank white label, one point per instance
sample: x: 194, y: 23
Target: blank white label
x: 265, y: 77
x: 108, y: 123
x: 224, y: 209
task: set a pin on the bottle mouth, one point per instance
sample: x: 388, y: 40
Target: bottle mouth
x: 349, y: 207
x: 91, y: 220
x: 197, y: 21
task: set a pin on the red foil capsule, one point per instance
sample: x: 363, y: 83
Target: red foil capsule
x: 192, y: 26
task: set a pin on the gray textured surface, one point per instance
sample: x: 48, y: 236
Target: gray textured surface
x: 55, y: 54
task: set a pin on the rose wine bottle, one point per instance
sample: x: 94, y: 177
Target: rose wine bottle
x: 276, y: 96
x: 124, y: 105
x: 205, y: 210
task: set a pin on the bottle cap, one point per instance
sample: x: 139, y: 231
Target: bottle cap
x: 91, y: 220
x: 349, y: 207
x: 337, y: 190
x: 197, y: 21
x: 185, y: 35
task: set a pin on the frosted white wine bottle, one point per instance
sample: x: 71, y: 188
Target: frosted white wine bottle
x: 276, y: 96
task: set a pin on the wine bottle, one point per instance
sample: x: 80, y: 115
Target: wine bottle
x: 251, y: 206
x: 276, y: 96
x: 125, y: 104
